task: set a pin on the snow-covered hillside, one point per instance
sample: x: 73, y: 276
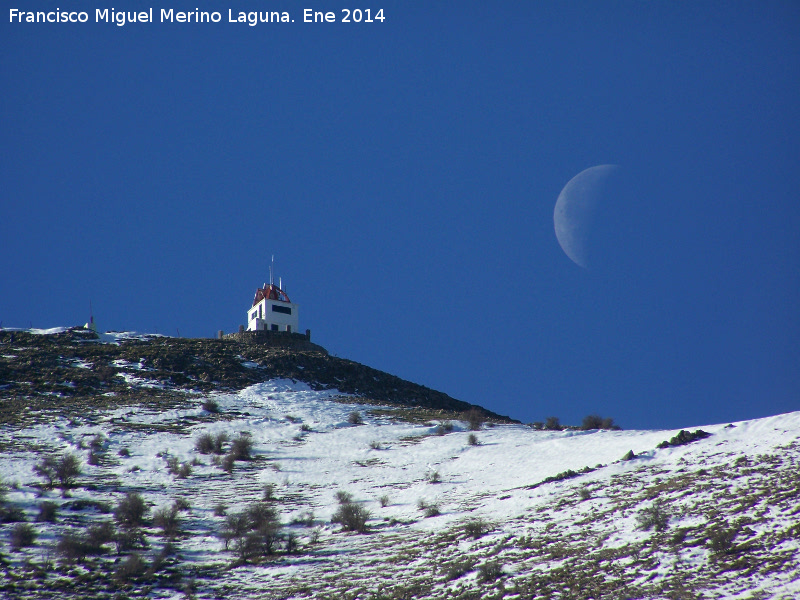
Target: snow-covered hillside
x: 511, y: 513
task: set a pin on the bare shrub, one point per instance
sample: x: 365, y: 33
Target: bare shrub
x: 47, y: 512
x: 269, y: 492
x: 167, y: 519
x: 204, y: 443
x: 63, y: 470
x: 131, y: 510
x: 220, y: 510
x: 211, y: 405
x: 597, y: 422
x: 490, y: 571
x: 93, y: 459
x: 655, y: 517
x: 68, y: 467
x: 343, y: 497
x: 352, y: 517
x: 23, y: 535
x: 476, y: 528
x: 228, y: 463
x: 219, y: 442
x: 132, y: 567
x: 98, y: 535
x: 433, y: 477
x: 181, y: 504
x: 472, y: 440
x: 384, y: 500
x: 72, y: 547
x: 241, y: 447
x: 252, y: 533
x: 354, y: 418
x: 474, y: 418
x: 553, y: 424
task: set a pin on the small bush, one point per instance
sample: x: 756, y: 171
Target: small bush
x: 132, y: 567
x: 474, y: 418
x: 252, y: 533
x: 228, y: 463
x: 220, y: 510
x: 384, y: 500
x: 720, y: 540
x: 130, y: 539
x: 241, y: 447
x: 352, y: 517
x: 476, y: 528
x: 124, y: 452
x: 22, y: 536
x: 472, y: 440
x: 305, y: 428
x: 490, y: 571
x: 433, y: 477
x: 553, y: 424
x: 654, y: 517
x: 93, y: 459
x: 181, y: 504
x: 269, y: 492
x: 131, y: 510
x: 12, y: 514
x: 47, y: 512
x: 375, y: 445
x: 184, y: 471
x: 98, y: 535
x: 204, y: 443
x: 597, y: 422
x: 355, y: 418
x: 219, y: 442
x: 64, y: 470
x: 343, y: 497
x: 211, y: 405
x: 72, y: 547
x: 584, y: 493
x: 167, y: 519
x: 432, y: 510
x: 97, y: 442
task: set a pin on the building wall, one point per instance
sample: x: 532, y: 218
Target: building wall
x: 269, y: 317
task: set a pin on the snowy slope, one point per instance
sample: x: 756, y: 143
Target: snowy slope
x: 731, y: 501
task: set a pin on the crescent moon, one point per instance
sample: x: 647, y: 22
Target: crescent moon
x: 575, y: 210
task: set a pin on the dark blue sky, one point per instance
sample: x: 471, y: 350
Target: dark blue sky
x: 404, y: 175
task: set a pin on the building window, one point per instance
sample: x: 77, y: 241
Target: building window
x: 281, y: 309
x: 274, y: 327
x: 254, y: 315
x: 289, y: 328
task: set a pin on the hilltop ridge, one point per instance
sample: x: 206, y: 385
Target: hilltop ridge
x: 86, y: 370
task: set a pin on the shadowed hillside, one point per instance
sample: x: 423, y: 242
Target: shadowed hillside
x: 75, y: 370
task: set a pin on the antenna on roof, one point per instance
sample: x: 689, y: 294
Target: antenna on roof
x: 271, y: 268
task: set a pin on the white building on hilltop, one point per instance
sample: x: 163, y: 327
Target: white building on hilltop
x: 272, y: 310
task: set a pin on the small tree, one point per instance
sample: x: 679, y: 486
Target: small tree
x: 64, y: 470
x: 131, y: 510
x: 552, y: 424
x: 167, y: 519
x: 22, y: 536
x: 352, y: 517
